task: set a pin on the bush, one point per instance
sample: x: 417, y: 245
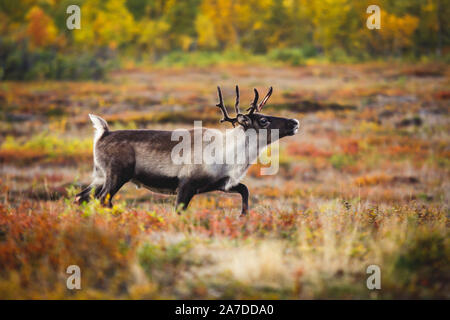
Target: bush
x: 421, y: 269
x: 19, y: 62
x: 207, y: 58
x: 163, y: 264
x: 293, y: 56
x: 427, y: 257
x: 339, y: 55
x: 342, y: 161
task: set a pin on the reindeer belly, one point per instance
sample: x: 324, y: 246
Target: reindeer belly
x: 156, y: 183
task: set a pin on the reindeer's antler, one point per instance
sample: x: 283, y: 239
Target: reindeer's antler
x: 236, y: 105
x: 254, y: 106
x: 263, y: 102
x: 224, y: 109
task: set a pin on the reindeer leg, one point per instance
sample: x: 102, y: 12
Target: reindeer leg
x: 97, y: 184
x: 243, y: 191
x: 239, y: 188
x: 184, y: 196
x: 112, y: 185
x: 85, y: 194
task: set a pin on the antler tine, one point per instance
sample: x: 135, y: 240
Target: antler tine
x: 263, y: 102
x: 254, y: 104
x: 223, y: 109
x: 236, y: 105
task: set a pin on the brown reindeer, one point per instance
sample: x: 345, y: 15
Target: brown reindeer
x: 144, y: 157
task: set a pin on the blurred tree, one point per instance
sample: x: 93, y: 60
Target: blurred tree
x: 264, y: 25
x: 152, y: 36
x: 279, y: 25
x: 41, y: 29
x: 397, y: 32
x: 105, y: 23
x: 138, y: 8
x: 206, y: 33
x: 300, y: 13
x: 180, y: 15
x: 433, y: 26
x: 18, y: 9
x: 332, y: 21
x: 336, y: 28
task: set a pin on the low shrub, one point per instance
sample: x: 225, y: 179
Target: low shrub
x: 292, y: 56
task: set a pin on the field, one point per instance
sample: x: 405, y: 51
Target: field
x: 364, y: 182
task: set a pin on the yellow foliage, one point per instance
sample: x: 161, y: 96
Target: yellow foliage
x: 232, y: 19
x: 186, y: 42
x: 106, y: 23
x: 152, y: 34
x: 398, y: 31
x: 206, y: 33
x: 329, y: 18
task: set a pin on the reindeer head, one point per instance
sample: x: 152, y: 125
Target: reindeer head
x: 254, y: 119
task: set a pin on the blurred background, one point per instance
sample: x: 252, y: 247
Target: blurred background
x: 36, y: 44
x: 365, y: 181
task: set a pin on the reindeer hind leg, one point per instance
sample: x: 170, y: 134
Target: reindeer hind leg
x: 112, y: 185
x: 85, y: 194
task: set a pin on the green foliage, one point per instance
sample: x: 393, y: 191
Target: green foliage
x: 424, y: 262
x: 292, y: 56
x: 340, y: 161
x: 206, y: 58
x: 138, y: 8
x: 155, y: 256
x: 19, y: 62
x: 427, y: 254
x: 164, y: 262
x: 338, y: 55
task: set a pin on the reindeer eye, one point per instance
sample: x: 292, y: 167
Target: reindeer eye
x: 263, y: 121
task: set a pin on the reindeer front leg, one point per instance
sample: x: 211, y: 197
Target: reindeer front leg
x: 243, y: 191
x: 185, y: 193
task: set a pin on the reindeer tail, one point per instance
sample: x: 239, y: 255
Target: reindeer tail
x: 100, y: 125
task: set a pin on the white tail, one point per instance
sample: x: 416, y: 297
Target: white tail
x: 100, y: 125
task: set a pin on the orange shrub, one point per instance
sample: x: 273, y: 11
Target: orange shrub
x: 373, y: 179
x: 307, y: 150
x: 349, y: 146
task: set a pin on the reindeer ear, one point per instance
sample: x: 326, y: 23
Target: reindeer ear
x: 244, y: 120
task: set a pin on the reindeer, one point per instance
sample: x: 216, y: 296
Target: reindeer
x: 144, y: 157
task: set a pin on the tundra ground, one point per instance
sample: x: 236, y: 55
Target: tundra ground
x: 365, y: 181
